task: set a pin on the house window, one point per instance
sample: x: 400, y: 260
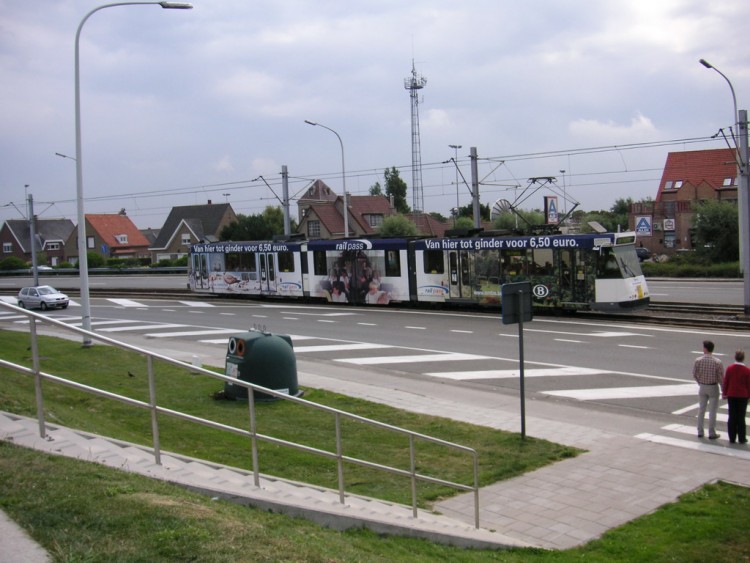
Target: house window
x: 53, y: 246
x: 728, y: 182
x: 7, y: 247
x: 375, y: 220
x: 90, y: 243
x: 122, y: 239
x: 668, y: 185
x: 313, y: 229
x: 186, y: 239
x: 678, y: 184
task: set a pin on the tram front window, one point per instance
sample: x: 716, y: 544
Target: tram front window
x: 618, y: 262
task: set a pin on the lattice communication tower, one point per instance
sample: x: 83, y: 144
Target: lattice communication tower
x: 414, y: 84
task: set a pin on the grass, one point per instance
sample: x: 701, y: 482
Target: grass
x: 82, y: 512
x: 501, y: 454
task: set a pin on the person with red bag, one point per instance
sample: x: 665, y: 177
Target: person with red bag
x: 736, y: 390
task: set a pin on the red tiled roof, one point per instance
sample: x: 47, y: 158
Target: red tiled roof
x: 108, y: 226
x: 695, y: 167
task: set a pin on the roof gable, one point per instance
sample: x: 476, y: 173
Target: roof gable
x: 45, y: 230
x: 711, y: 167
x: 203, y: 221
x: 109, y: 227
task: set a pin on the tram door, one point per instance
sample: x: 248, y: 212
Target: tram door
x: 461, y: 267
x: 573, y: 278
x: 267, y: 272
x: 200, y: 271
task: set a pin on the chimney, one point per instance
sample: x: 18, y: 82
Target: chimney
x: 209, y: 202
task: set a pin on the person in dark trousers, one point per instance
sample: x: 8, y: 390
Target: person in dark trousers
x: 708, y: 372
x: 736, y: 390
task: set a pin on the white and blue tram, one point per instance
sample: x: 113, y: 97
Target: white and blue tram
x: 567, y: 272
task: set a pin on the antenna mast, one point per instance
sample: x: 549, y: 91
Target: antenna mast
x: 414, y: 83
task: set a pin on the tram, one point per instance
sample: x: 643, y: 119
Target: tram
x: 599, y: 271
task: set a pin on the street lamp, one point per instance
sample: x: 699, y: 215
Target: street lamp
x: 739, y: 134
x: 343, y: 174
x: 455, y: 162
x: 82, y: 258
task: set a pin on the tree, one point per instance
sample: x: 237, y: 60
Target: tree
x: 376, y: 189
x: 395, y: 188
x: 468, y: 211
x: 716, y: 230
x: 620, y: 211
x: 525, y: 218
x: 256, y: 227
x: 397, y: 226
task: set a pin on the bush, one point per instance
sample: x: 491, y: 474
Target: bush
x: 12, y: 263
x: 690, y: 267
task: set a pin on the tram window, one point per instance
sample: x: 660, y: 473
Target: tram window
x: 542, y: 262
x: 607, y: 265
x: 514, y: 264
x: 433, y: 262
x: 392, y: 263
x: 240, y: 261
x: 286, y: 261
x: 319, y: 263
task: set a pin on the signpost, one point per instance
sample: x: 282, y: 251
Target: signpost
x: 517, y: 309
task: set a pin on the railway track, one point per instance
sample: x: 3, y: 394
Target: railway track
x: 681, y: 314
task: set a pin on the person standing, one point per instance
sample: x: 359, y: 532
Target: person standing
x: 736, y: 389
x: 708, y: 372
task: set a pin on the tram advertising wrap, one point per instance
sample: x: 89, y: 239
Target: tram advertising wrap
x: 567, y: 272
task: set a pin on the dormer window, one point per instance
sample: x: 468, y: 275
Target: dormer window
x: 678, y: 184
x: 728, y: 182
x: 668, y: 185
x: 122, y: 239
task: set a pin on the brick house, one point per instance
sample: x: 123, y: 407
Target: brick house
x: 188, y: 225
x: 110, y: 236
x: 51, y: 236
x: 689, y: 177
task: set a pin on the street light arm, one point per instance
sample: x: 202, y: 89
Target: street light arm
x: 343, y: 173
x: 708, y: 65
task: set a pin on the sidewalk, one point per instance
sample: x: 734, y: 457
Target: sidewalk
x: 632, y: 465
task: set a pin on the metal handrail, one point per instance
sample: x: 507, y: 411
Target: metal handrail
x: 252, y: 433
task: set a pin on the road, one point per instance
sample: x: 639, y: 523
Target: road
x: 616, y: 367
x: 709, y: 292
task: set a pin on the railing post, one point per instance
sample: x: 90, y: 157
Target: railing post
x: 152, y: 400
x: 253, y: 435
x: 476, y: 489
x: 413, y: 469
x: 339, y: 458
x: 37, y: 377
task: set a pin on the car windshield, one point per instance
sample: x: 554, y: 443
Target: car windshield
x: 46, y: 290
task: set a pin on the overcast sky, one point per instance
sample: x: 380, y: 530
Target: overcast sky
x: 184, y: 106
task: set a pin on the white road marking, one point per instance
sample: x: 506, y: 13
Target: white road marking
x: 140, y: 327
x: 127, y: 303
x: 632, y: 346
x: 515, y: 373
x: 626, y: 392
x: 463, y: 331
x: 698, y: 445
x: 192, y: 332
x: 339, y: 347
x: 416, y: 327
x: 197, y: 303
x: 569, y: 340
x: 411, y: 359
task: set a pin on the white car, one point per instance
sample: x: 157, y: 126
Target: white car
x: 43, y: 296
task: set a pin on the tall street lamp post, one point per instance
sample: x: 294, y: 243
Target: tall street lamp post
x: 82, y: 246
x: 343, y: 174
x: 739, y: 135
x: 455, y: 162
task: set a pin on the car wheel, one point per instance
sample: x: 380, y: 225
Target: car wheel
x: 44, y: 306
x: 22, y: 304
x: 65, y: 306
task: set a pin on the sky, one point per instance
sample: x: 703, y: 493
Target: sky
x: 179, y: 107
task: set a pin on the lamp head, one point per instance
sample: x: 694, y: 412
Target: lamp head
x: 176, y: 5
x: 310, y: 122
x: 705, y: 63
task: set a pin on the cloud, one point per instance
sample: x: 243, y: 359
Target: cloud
x: 640, y: 129
x: 224, y: 164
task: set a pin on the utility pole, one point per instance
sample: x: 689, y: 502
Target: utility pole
x: 743, y: 189
x: 475, y: 186
x: 32, y: 236
x: 285, y: 197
